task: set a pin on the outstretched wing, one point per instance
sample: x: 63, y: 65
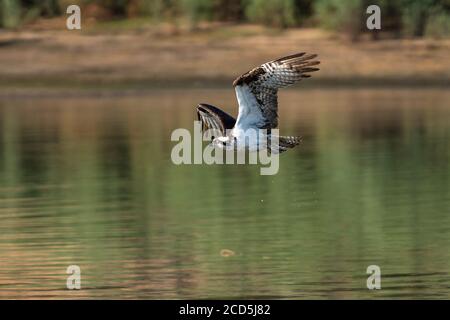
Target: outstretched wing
x: 214, y: 118
x: 257, y: 89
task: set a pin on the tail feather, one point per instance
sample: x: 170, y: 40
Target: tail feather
x: 285, y: 143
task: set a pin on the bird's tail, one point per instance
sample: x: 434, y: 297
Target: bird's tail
x: 285, y: 143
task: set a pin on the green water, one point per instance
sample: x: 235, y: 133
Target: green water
x: 87, y: 180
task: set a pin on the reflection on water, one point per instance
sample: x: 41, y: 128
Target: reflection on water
x: 89, y: 181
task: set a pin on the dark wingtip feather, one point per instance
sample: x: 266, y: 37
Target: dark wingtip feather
x: 289, y: 57
x: 309, y: 69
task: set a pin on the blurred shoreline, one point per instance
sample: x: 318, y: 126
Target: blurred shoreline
x: 144, y: 58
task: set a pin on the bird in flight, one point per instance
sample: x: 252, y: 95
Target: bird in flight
x: 257, y: 95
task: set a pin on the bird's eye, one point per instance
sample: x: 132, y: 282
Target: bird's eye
x: 224, y: 143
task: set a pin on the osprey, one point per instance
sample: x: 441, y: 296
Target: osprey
x: 256, y: 92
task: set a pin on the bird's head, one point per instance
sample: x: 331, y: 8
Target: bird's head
x: 226, y: 143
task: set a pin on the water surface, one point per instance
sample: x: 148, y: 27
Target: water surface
x: 88, y: 180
